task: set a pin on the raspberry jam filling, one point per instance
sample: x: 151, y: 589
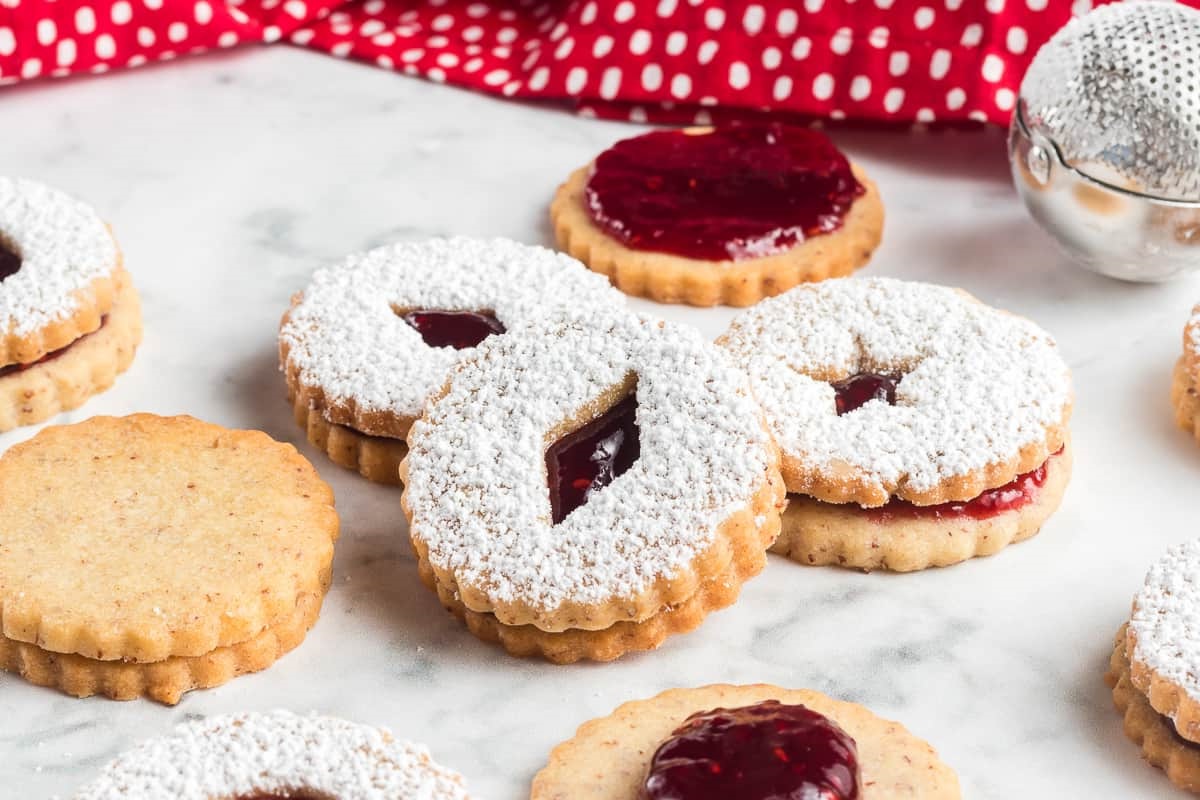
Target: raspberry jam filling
x: 858, y: 390
x: 10, y: 262
x: 457, y: 329
x: 738, y: 192
x: 12, y: 369
x: 767, y: 751
x: 583, y: 462
x: 1017, y: 493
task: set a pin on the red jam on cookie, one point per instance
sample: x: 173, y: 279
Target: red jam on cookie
x: 10, y: 369
x: 1017, y: 493
x: 740, y: 192
x: 585, y: 461
x: 10, y: 262
x: 767, y: 751
x: 457, y: 329
x: 858, y: 390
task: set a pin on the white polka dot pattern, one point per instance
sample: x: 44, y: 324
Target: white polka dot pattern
x: 884, y: 60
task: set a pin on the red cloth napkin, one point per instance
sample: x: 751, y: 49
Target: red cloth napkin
x: 668, y: 60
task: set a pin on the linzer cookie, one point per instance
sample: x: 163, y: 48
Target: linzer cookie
x: 148, y: 556
x: 273, y: 756
x: 366, y: 344
x: 719, y: 216
x: 1155, y: 667
x: 750, y: 742
x: 918, y: 426
x: 70, y: 320
x: 1186, y: 383
x: 588, y: 485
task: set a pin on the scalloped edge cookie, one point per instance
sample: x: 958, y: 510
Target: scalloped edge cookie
x: 667, y: 278
x: 791, y: 345
x: 91, y: 305
x: 160, y: 619
x: 608, y: 757
x: 165, y: 681
x: 823, y: 534
x: 89, y: 365
x: 376, y: 458
x: 275, y: 754
x: 1146, y: 728
x: 749, y: 533
x: 68, y: 279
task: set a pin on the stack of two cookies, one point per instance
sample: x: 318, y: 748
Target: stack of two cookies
x: 147, y: 556
x: 584, y: 484
x: 70, y: 319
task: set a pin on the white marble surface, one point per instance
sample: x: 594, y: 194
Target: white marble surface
x: 229, y: 179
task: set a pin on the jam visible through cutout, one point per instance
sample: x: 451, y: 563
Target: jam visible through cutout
x: 738, y: 192
x: 767, y: 751
x: 1020, y: 491
x: 10, y: 262
x: 11, y: 369
x: 856, y: 391
x: 457, y: 329
x: 583, y: 462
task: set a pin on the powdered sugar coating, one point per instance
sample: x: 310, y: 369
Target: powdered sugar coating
x: 979, y: 384
x: 347, y: 339
x: 1165, y: 622
x: 1191, y: 339
x: 242, y: 754
x: 477, y: 487
x: 64, y: 246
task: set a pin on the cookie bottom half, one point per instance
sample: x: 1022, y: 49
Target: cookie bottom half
x: 754, y: 529
x: 668, y: 278
x: 66, y: 378
x: 824, y: 534
x: 1153, y: 733
x: 608, y: 758
x: 376, y: 458
x: 165, y: 681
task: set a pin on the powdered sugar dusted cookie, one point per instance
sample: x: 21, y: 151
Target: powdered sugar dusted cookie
x: 589, y: 484
x: 749, y: 742
x: 64, y: 379
x: 276, y: 754
x: 719, y: 216
x: 179, y: 550
x: 1163, y: 638
x: 369, y: 340
x: 918, y: 426
x: 58, y: 270
x: 1185, y: 386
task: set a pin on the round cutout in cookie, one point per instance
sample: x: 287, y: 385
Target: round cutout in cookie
x: 64, y: 379
x: 590, y: 484
x: 726, y: 216
x: 250, y: 756
x: 59, y: 266
x: 367, y: 343
x: 105, y: 551
x: 918, y: 426
x: 609, y: 758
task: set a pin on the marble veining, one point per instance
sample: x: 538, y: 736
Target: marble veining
x: 229, y: 178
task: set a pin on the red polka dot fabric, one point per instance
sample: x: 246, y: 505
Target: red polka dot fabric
x: 657, y: 60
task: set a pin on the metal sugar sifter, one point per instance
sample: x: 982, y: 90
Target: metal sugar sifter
x: 1105, y: 140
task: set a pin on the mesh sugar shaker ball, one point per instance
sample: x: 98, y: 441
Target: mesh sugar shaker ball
x: 1105, y: 140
